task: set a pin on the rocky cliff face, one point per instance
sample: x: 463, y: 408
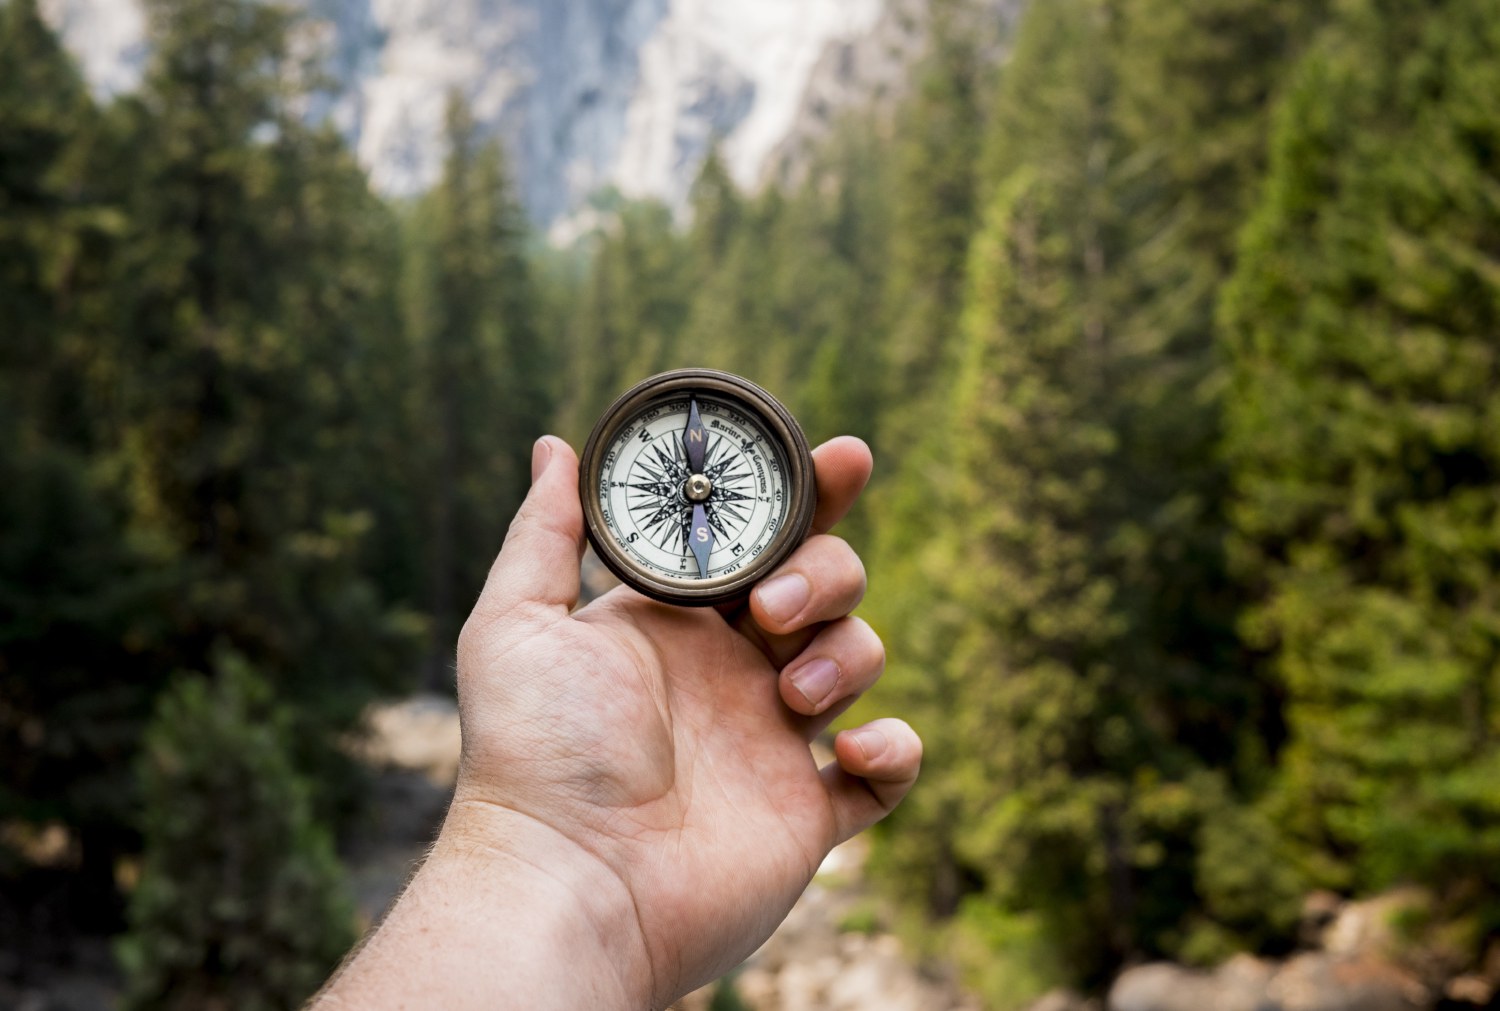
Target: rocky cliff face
x: 587, y: 94
x: 871, y: 70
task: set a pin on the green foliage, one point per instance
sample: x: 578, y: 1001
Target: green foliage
x: 1248, y: 882
x: 1066, y: 635
x: 732, y: 316
x: 197, y: 287
x: 472, y: 314
x: 45, y: 118
x: 933, y: 194
x: 718, y: 215
x: 933, y: 211
x: 1362, y: 431
x: 240, y: 288
x: 784, y: 288
x: 241, y: 900
x: 77, y: 594
x: 77, y: 599
x: 1007, y: 957
x: 1184, y: 536
x: 841, y: 232
x: 629, y: 312
x: 863, y: 918
x: 1030, y: 632
x: 726, y: 997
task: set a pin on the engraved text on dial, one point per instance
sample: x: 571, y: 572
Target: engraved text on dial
x: 646, y: 509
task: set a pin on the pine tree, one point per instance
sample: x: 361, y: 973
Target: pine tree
x: 935, y: 155
x: 1362, y: 328
x: 359, y: 355
x: 475, y: 324
x: 1197, y: 86
x: 242, y: 280
x: 630, y: 313
x: 732, y: 319
x: 1017, y: 678
x: 1068, y: 634
x: 241, y: 902
x: 44, y: 111
x: 76, y: 592
x: 843, y: 199
x: 933, y: 197
x: 717, y: 215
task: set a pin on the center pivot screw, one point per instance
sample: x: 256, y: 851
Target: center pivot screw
x: 698, y: 488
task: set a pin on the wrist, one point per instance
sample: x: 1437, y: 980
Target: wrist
x: 504, y: 904
x: 594, y: 919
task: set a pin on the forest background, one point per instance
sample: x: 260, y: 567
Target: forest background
x: 1176, y: 332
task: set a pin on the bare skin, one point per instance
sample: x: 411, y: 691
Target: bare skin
x: 637, y: 807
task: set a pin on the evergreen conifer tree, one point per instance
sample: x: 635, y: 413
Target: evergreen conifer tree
x: 1090, y: 704
x: 843, y: 199
x: 717, y: 214
x: 1362, y: 433
x: 1014, y: 686
x: 635, y: 298
x: 76, y: 592
x: 241, y: 901
x: 732, y: 319
x: 44, y: 112
x: 236, y: 337
x: 935, y: 156
x: 475, y: 327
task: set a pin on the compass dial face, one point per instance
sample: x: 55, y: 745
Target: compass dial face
x: 695, y: 483
x: 644, y: 494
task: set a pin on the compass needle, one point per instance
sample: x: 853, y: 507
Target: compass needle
x: 694, y: 437
x: 703, y: 539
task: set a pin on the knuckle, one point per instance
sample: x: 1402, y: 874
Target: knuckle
x: 908, y: 744
x: 865, y: 644
x: 861, y: 581
x: 841, y: 569
x: 866, y: 633
x: 876, y: 655
x: 839, y: 551
x: 529, y: 512
x: 492, y: 629
x: 827, y: 549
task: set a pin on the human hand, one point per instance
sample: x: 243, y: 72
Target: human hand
x: 644, y: 770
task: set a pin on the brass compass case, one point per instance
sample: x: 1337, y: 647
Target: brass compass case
x: 695, y: 484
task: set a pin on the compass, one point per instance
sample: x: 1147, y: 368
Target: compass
x: 695, y: 484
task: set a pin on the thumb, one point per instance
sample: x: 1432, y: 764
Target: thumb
x: 538, y: 564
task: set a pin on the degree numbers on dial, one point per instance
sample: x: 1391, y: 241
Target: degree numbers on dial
x: 646, y: 510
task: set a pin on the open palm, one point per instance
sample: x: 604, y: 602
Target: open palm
x: 671, y: 745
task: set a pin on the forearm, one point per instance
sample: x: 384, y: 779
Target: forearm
x: 503, y: 906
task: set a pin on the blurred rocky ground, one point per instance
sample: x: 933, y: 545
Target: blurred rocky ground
x: 827, y: 956
x: 1386, y: 953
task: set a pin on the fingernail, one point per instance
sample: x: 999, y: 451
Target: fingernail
x: 870, y: 741
x: 540, y: 454
x: 784, y: 597
x: 815, y: 679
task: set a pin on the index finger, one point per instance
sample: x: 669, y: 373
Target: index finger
x: 842, y: 467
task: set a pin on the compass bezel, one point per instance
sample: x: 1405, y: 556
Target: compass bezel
x: 747, y: 397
